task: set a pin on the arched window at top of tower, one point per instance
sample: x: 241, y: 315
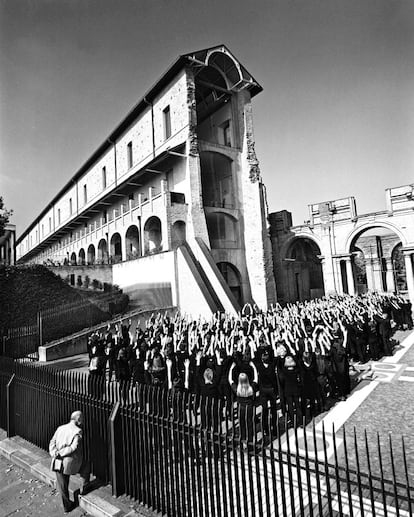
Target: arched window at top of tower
x: 227, y: 67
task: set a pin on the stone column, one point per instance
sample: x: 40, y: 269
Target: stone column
x: 374, y: 277
x: 390, y: 275
x: 409, y: 274
x: 350, y: 275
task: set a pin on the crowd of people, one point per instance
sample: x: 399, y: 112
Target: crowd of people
x: 290, y: 359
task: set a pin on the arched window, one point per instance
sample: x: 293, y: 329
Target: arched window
x: 116, y: 248
x: 73, y: 260
x: 374, y: 261
x: 91, y: 254
x: 217, y: 180
x: 132, y: 242
x: 81, y: 257
x: 152, y: 236
x: 178, y: 234
x: 222, y: 230
x: 233, y: 279
x: 102, y: 252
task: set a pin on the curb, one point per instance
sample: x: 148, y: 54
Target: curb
x: 37, y: 462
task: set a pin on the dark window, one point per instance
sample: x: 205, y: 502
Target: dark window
x: 70, y: 206
x: 103, y: 178
x: 85, y: 194
x: 129, y: 153
x: 178, y: 197
x: 167, y: 122
x: 225, y: 137
x: 58, y: 215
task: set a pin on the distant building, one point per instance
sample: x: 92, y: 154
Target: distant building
x: 171, y: 205
x: 340, y: 251
x: 8, y: 245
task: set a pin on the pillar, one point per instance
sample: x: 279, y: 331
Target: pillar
x: 374, y: 277
x: 409, y: 274
x: 350, y: 275
x: 390, y: 275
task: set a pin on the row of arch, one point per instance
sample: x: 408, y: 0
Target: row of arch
x: 375, y: 262
x: 117, y: 249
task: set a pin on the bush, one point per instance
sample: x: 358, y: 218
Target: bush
x: 79, y: 281
x: 95, y: 284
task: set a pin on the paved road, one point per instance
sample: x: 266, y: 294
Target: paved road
x: 23, y: 495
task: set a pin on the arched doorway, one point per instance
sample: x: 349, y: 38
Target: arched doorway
x: 102, y: 252
x: 152, y: 236
x: 233, y: 279
x: 116, y: 248
x: 73, y: 260
x: 377, y: 257
x: 178, y: 234
x: 303, y: 271
x: 91, y: 254
x: 132, y: 243
x: 81, y: 256
x: 217, y: 180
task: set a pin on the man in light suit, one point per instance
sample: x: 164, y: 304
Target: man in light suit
x: 67, y: 445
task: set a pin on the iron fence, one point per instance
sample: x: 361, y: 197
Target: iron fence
x: 21, y: 342
x: 52, y: 323
x: 181, y: 454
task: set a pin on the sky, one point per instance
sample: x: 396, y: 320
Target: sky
x: 335, y: 118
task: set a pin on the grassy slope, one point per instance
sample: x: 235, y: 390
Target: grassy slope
x: 24, y: 290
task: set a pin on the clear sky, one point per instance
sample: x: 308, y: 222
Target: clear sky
x: 336, y: 117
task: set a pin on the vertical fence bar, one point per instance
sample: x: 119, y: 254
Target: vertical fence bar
x: 40, y: 328
x: 348, y: 480
x: 394, y: 479
x: 118, y: 485
x: 407, y: 478
x: 361, y: 499
x: 371, y: 491
x: 10, y: 407
x: 298, y: 472
x: 289, y: 467
x: 273, y: 471
x: 265, y: 469
x: 307, y: 468
x: 250, y: 426
x: 281, y: 469
x: 327, y: 476
x: 228, y: 447
x: 235, y: 462
x: 338, y: 483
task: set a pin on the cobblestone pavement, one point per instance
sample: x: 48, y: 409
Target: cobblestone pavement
x: 23, y: 495
x: 388, y: 413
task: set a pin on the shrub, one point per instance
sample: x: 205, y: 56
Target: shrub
x: 95, y: 284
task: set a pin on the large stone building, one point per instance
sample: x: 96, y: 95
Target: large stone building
x: 170, y: 207
x: 339, y: 251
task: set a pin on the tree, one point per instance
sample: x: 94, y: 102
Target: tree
x: 4, y: 215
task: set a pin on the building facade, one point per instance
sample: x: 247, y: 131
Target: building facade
x: 8, y: 245
x: 173, y: 199
x: 340, y: 251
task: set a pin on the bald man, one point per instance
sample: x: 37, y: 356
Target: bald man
x: 67, y: 445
